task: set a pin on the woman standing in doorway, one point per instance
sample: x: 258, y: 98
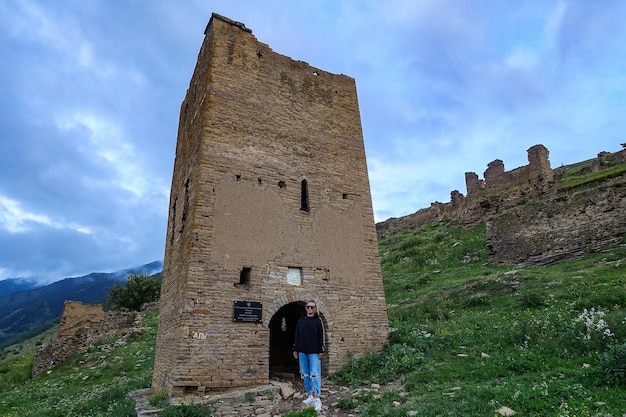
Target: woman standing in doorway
x: 308, y: 348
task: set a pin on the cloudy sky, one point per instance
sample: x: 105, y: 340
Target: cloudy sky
x: 91, y: 91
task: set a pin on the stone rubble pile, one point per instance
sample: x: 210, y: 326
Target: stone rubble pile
x: 265, y: 401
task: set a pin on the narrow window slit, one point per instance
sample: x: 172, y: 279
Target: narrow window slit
x: 304, y: 196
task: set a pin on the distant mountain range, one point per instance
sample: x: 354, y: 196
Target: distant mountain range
x: 13, y: 285
x: 26, y: 308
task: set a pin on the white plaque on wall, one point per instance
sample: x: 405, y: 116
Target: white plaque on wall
x: 294, y: 276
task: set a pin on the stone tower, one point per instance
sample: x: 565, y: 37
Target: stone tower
x: 270, y: 206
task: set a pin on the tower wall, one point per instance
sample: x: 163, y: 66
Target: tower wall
x: 270, y: 203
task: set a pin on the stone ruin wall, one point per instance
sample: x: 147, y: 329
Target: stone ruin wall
x: 498, y: 191
x: 563, y: 224
x: 80, y: 326
x: 528, y: 221
x: 537, y: 173
x: 563, y: 227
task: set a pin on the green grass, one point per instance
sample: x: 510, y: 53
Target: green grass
x: 467, y: 338
x: 94, y: 383
x: 575, y: 179
x: 535, y: 340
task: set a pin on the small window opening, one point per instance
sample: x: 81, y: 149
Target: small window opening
x: 304, y: 196
x: 281, y: 184
x: 238, y: 177
x: 244, y: 275
x: 259, y: 54
x: 260, y: 180
x: 345, y: 196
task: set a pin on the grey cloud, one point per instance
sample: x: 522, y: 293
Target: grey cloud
x: 436, y: 94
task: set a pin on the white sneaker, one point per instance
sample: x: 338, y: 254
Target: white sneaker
x: 318, y: 404
x: 309, y: 400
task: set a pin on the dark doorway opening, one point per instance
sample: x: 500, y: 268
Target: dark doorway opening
x: 282, y: 332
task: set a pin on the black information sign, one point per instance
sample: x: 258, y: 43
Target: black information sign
x: 248, y: 311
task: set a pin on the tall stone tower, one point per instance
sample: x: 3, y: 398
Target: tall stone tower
x: 270, y: 206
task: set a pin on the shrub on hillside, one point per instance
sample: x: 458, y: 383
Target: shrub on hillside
x: 15, y: 371
x: 612, y: 366
x: 139, y: 289
x: 187, y: 410
x: 307, y: 412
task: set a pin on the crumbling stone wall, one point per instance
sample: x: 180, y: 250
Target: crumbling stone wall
x: 605, y: 159
x: 529, y: 221
x: 563, y: 227
x: 80, y: 326
x: 270, y: 204
x: 498, y: 191
x: 497, y: 180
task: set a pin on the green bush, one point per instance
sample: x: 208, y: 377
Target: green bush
x: 187, y: 410
x: 475, y: 300
x: 612, y: 365
x: 159, y: 399
x: 349, y: 403
x: 532, y: 299
x: 15, y: 372
x: 138, y: 290
x: 381, y: 368
x: 307, y: 412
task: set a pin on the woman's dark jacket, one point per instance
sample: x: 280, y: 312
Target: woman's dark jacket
x: 309, y: 335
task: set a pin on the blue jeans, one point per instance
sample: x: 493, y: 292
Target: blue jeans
x: 311, y: 372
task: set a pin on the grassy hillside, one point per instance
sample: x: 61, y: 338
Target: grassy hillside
x: 468, y: 338
x: 94, y: 383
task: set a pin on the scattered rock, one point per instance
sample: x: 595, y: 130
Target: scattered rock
x: 505, y: 411
x: 286, y: 390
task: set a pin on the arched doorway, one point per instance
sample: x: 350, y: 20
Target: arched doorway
x: 282, y: 332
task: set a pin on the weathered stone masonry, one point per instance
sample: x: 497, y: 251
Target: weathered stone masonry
x: 565, y: 226
x: 270, y: 203
x: 529, y: 220
x: 485, y: 197
x: 80, y: 326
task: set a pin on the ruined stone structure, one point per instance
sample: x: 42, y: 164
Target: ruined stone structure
x: 270, y: 206
x: 530, y: 219
x: 537, y: 173
x: 567, y: 226
x: 80, y: 326
x: 498, y: 191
